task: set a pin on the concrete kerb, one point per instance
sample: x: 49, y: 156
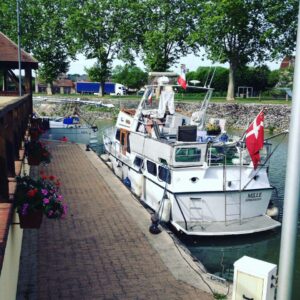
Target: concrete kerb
x: 177, y: 259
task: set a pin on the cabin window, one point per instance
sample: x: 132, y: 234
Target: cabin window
x: 164, y: 174
x: 122, y: 141
x: 151, y: 168
x: 138, y: 162
x: 118, y: 135
x: 163, y: 161
x: 128, y: 144
x: 187, y: 155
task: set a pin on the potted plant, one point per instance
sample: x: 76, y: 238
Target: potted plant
x: 34, y: 198
x: 36, y: 153
x: 213, y: 129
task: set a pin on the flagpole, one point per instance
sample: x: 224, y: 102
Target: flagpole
x: 292, y: 192
x: 19, y: 48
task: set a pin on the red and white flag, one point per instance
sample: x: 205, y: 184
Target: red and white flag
x: 182, y: 79
x: 255, y: 138
x: 150, y: 97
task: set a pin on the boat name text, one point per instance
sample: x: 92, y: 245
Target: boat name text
x: 256, y: 196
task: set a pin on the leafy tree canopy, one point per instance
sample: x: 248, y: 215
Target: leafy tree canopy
x: 96, y: 73
x: 43, y: 33
x: 8, y: 19
x: 163, y: 32
x: 100, y: 30
x: 204, y: 74
x: 130, y: 76
x: 281, y: 16
x: 243, y: 31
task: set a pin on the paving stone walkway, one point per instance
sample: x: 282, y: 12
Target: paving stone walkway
x: 97, y: 251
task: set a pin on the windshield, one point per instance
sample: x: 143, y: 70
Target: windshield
x: 232, y: 154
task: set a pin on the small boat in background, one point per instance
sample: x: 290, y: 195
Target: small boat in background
x: 71, y: 129
x: 68, y: 122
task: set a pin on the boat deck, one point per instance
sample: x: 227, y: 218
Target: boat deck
x: 247, y: 226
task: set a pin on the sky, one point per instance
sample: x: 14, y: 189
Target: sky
x: 191, y: 61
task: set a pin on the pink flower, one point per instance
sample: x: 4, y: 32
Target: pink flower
x: 60, y: 197
x: 44, y: 192
x: 46, y: 201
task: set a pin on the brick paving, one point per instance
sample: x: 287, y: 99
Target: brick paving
x: 97, y: 251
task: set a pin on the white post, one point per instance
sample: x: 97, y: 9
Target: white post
x: 292, y: 192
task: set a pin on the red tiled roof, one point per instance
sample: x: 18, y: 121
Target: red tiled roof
x: 288, y: 61
x: 9, y: 53
x: 64, y: 83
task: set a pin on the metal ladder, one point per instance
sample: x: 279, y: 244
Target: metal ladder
x: 227, y: 205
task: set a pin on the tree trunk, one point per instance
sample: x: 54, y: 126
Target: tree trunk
x: 101, y: 91
x: 49, y: 89
x: 36, y: 82
x: 231, y: 83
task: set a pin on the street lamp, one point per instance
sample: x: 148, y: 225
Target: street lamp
x: 19, y: 47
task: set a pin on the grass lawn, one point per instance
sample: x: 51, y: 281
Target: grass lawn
x: 178, y: 98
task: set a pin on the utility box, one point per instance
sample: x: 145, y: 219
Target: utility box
x: 254, y: 279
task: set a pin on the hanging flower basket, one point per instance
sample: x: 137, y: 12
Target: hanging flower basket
x: 34, y: 160
x: 31, y: 220
x: 34, y: 134
x: 37, y: 153
x: 33, y: 198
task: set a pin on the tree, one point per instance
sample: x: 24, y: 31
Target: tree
x: 8, y: 19
x: 286, y: 77
x: 255, y: 77
x: 204, y: 74
x: 47, y: 37
x: 43, y: 33
x: 231, y: 32
x: 282, y: 18
x: 130, y: 76
x: 273, y: 78
x: 163, y: 32
x: 101, y: 30
x: 95, y: 73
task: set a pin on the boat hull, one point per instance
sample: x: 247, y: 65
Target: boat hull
x: 246, y: 226
x: 83, y: 135
x: 207, y: 213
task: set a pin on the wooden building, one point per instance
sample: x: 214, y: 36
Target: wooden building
x: 15, y: 113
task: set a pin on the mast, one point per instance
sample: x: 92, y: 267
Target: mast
x: 292, y: 192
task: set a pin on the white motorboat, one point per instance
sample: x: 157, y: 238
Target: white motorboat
x: 71, y: 129
x: 203, y: 185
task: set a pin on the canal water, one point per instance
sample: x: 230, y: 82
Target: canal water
x: 219, y: 253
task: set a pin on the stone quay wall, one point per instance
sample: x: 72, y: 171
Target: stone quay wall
x: 239, y: 116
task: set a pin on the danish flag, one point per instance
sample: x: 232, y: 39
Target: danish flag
x: 181, y: 79
x: 255, y: 138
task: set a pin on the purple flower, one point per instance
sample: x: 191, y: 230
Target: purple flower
x: 60, y: 197
x: 44, y: 192
x: 50, y: 213
x: 46, y: 201
x: 24, y: 209
x: 65, y: 209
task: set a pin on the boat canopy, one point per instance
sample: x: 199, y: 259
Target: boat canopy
x: 71, y: 120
